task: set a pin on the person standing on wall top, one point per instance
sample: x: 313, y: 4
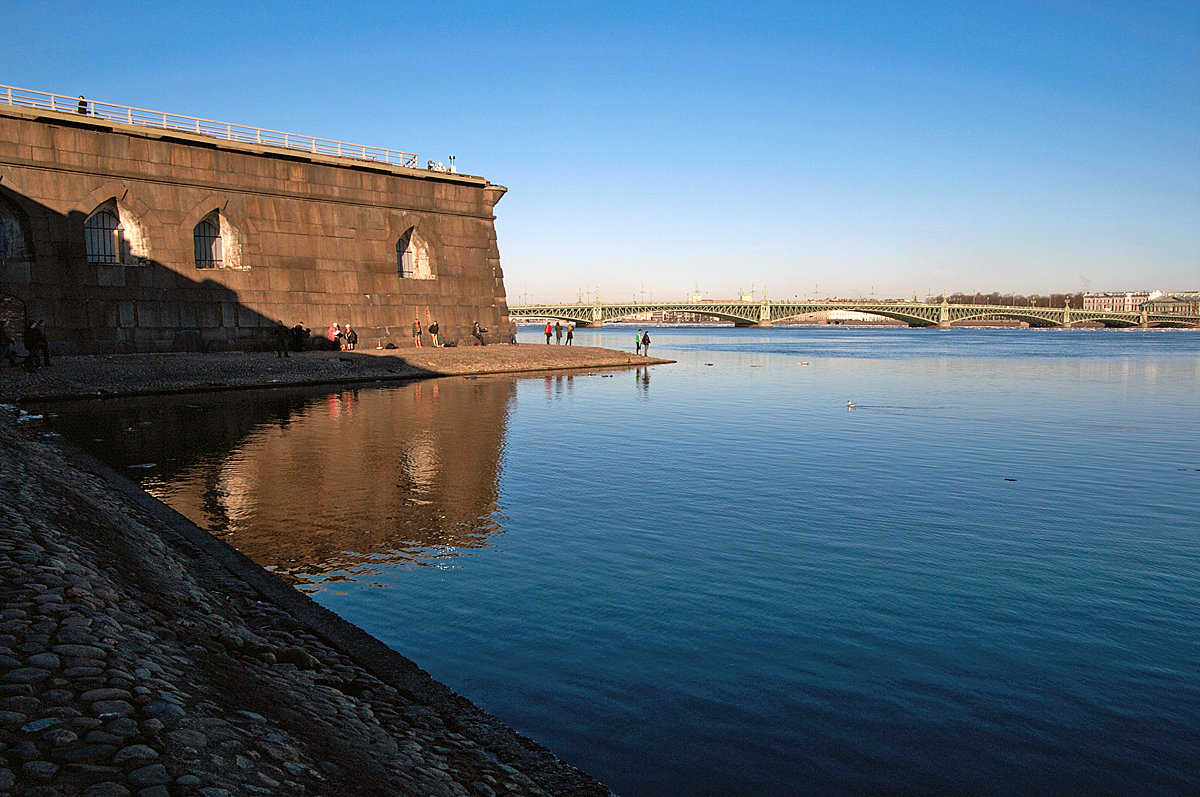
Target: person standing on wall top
x: 570, y: 333
x: 637, y: 342
x: 417, y: 333
x: 35, y: 341
x: 433, y: 332
x: 557, y: 333
x: 548, y: 330
x: 83, y: 106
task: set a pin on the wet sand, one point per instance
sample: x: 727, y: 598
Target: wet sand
x: 134, y: 374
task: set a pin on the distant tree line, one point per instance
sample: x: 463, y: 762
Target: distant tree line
x: 1012, y: 299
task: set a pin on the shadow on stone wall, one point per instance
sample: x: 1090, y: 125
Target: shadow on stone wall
x: 137, y: 304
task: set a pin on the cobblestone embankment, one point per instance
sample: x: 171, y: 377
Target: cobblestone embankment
x: 141, y: 656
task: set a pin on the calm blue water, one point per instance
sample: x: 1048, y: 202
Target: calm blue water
x: 713, y: 578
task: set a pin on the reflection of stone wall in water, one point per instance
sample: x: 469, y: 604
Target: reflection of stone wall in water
x: 128, y: 238
x: 358, y: 476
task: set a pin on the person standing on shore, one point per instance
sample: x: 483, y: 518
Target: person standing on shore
x: 570, y: 333
x: 281, y: 334
x: 557, y: 333
x: 433, y: 332
x: 417, y: 332
x: 477, y: 333
x: 548, y: 330
x: 646, y: 343
x: 351, y: 338
x: 637, y: 342
x: 35, y: 341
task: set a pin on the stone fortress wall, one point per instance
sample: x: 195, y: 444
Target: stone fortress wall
x: 130, y: 238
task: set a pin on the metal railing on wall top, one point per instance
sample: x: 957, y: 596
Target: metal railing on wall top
x: 111, y: 112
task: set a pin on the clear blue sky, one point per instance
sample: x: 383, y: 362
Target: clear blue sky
x: 831, y: 148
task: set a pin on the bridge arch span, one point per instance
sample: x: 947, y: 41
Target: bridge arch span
x: 895, y: 315
x: 1033, y: 319
x: 579, y: 319
x: 1170, y: 323
x: 912, y: 321
x: 1119, y: 323
x: 738, y: 320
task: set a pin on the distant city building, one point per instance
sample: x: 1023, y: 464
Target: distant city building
x: 1129, y: 302
x: 1181, y: 303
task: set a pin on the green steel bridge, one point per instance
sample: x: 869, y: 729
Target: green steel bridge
x: 915, y: 314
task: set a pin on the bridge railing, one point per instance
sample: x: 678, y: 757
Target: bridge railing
x: 913, y: 313
x: 111, y: 112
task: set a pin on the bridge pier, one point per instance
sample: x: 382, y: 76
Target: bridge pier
x: 764, y: 312
x: 590, y: 324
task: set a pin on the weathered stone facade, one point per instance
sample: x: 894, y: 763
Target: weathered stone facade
x: 127, y: 238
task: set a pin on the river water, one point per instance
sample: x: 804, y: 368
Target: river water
x: 714, y: 577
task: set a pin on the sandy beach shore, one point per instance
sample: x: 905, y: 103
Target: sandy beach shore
x: 140, y: 655
x: 133, y: 374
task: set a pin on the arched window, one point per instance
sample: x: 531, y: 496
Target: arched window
x: 412, y: 256
x: 207, y: 237
x: 102, y: 235
x: 405, y: 257
x: 13, y: 240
